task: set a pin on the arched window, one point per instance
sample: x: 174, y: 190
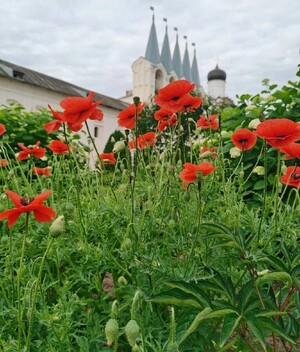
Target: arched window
x: 159, y: 80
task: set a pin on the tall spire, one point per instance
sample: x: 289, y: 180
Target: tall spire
x: 194, y: 71
x: 176, y: 58
x: 165, y: 56
x: 186, y: 67
x: 152, y: 51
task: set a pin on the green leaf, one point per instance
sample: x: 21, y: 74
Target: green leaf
x: 259, y: 185
x: 196, y: 322
x: 193, y: 289
x: 218, y: 227
x: 176, y: 297
x: 274, y: 276
x: 275, y: 262
x: 230, y: 322
x: 257, y: 331
x: 269, y: 324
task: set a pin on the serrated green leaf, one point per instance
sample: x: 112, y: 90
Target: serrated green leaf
x: 274, y: 276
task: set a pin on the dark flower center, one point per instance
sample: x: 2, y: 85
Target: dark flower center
x: 296, y: 176
x: 25, y: 201
x: 175, y: 98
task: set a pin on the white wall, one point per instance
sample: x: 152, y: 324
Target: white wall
x: 33, y: 98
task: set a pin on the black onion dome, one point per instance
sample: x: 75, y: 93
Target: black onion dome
x: 216, y: 74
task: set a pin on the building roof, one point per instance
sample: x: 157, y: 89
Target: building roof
x: 216, y: 73
x: 152, y: 51
x: 27, y: 76
x: 186, y: 67
x: 194, y: 71
x: 177, y: 60
x: 165, y: 56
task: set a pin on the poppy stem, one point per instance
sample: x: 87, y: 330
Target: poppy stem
x: 37, y: 283
x: 19, y: 274
x: 93, y: 143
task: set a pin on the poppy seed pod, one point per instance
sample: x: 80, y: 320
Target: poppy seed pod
x: 111, y: 331
x: 172, y: 347
x: 57, y: 227
x: 132, y: 331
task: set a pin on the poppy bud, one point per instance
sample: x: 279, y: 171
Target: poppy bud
x: 136, y: 101
x: 119, y: 145
x: 57, y: 227
x: 126, y: 245
x: 122, y: 280
x: 132, y: 331
x: 111, y: 331
x: 187, y: 196
x: 262, y: 273
x: 172, y: 347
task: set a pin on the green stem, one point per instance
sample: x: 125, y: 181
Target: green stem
x: 94, y: 144
x: 38, y: 280
x: 264, y: 194
x: 20, y: 322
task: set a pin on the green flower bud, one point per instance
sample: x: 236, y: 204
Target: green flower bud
x: 122, y: 280
x: 187, y: 196
x: 132, y: 331
x: 111, y: 331
x: 57, y: 227
x: 126, y: 245
x: 172, y: 347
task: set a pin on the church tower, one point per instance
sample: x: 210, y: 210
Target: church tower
x: 157, y: 69
x: 216, y: 82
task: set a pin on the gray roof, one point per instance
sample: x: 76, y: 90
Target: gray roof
x: 177, y: 60
x: 216, y: 73
x: 195, y: 72
x: 152, y: 51
x: 186, y: 67
x: 166, y: 58
x: 27, y: 76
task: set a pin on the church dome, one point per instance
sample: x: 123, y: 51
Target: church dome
x: 216, y: 73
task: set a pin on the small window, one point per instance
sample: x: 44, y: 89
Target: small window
x: 96, y: 132
x: 18, y: 74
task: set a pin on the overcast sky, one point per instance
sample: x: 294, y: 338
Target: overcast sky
x: 93, y: 43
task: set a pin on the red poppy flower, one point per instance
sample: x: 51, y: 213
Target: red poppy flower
x: 291, y: 176
x: 41, y: 212
x: 244, y: 139
x: 126, y: 118
x: 189, y: 174
x: 149, y: 138
x: 279, y: 132
x: 291, y: 150
x: 36, y: 150
x: 191, y: 103
x: 58, y: 147
x: 108, y: 158
x: 206, y: 152
x: 54, y: 125
x: 2, y: 129
x: 3, y: 162
x: 208, y: 122
x: 166, y: 118
x: 77, y: 110
x: 45, y: 171
x: 172, y: 96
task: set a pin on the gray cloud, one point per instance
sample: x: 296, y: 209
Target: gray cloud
x: 93, y: 44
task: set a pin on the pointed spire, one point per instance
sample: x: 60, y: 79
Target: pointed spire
x: 152, y: 51
x: 186, y: 67
x: 176, y: 58
x: 165, y: 56
x: 194, y: 71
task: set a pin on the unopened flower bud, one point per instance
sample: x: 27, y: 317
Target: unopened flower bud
x: 122, y: 281
x: 259, y: 170
x: 119, y: 145
x: 253, y: 124
x: 250, y: 107
x: 57, y: 227
x: 172, y: 347
x: 263, y: 272
x: 126, y: 245
x: 111, y: 331
x: 187, y: 196
x: 132, y: 331
x: 235, y: 152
